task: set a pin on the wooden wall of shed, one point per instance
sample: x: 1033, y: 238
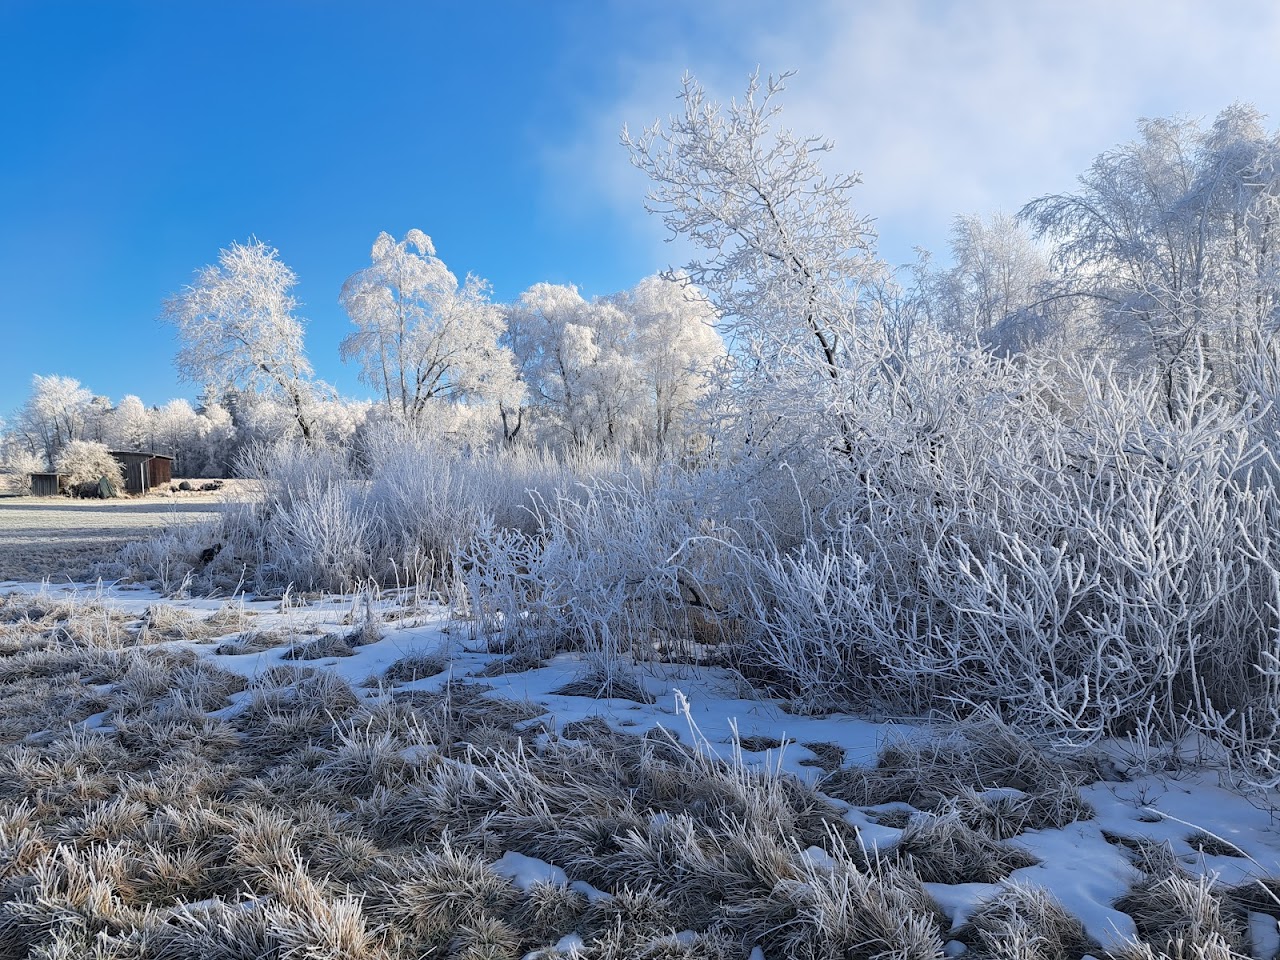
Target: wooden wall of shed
x: 45, y: 484
x: 135, y: 477
x: 161, y: 471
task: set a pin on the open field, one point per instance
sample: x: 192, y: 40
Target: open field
x: 65, y: 539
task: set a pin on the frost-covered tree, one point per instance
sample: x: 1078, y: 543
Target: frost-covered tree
x: 535, y: 334
x: 576, y: 360
x: 95, y: 418
x: 236, y: 327
x: 175, y: 430
x: 421, y: 336
x: 785, y: 256
x: 213, y: 453
x: 987, y: 296
x: 625, y: 370
x: 85, y: 461
x: 129, y: 425
x: 676, y: 353
x: 340, y: 420
x: 262, y: 419
x: 53, y: 416
x: 17, y: 461
x: 1175, y: 237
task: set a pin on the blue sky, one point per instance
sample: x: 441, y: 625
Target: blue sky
x: 139, y: 138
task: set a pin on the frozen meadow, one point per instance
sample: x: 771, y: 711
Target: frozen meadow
x: 52, y: 537
x: 371, y: 776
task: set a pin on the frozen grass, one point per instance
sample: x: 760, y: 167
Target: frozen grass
x: 415, y: 666
x: 1180, y: 917
x: 200, y: 816
x: 155, y: 805
x: 67, y: 539
x: 607, y: 681
x: 1024, y: 924
x: 958, y: 775
x: 943, y: 849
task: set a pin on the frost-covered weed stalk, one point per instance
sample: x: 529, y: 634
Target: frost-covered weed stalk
x: 393, y: 511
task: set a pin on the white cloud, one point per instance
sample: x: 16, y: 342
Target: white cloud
x: 950, y: 108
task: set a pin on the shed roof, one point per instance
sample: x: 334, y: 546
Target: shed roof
x: 140, y: 453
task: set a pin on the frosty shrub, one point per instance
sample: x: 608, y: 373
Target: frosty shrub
x: 1070, y: 556
x: 16, y: 467
x: 609, y: 570
x: 1085, y: 545
x: 394, y: 511
x: 308, y: 527
x: 423, y: 501
x: 83, y: 461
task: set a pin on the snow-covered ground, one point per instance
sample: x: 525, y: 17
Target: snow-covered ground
x: 1087, y: 865
x: 46, y: 535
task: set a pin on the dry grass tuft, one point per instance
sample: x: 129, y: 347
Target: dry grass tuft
x: 521, y: 662
x: 322, y: 648
x: 1213, y: 846
x: 758, y: 744
x: 942, y: 849
x: 438, y: 893
x: 616, y: 681
x: 828, y: 757
x: 415, y: 666
x: 163, y: 622
x: 254, y: 641
x: 1259, y: 895
x: 838, y: 910
x: 1021, y: 923
x: 549, y: 911
x: 488, y: 938
x: 1180, y: 916
x: 993, y: 779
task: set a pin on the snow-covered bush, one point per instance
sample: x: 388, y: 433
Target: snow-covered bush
x: 1085, y: 571
x: 602, y: 573
x: 83, y: 461
x: 16, y: 466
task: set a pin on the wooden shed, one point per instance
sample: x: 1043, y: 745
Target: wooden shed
x: 46, y: 484
x: 142, y: 471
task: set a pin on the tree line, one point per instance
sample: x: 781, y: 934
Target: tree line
x: 553, y: 369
